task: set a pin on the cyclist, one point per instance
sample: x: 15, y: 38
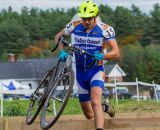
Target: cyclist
x: 90, y: 35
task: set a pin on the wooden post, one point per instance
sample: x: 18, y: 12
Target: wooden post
x: 137, y: 89
x: 6, y: 124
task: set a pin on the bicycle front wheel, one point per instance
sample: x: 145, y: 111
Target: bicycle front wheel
x: 57, y: 99
x: 37, y: 98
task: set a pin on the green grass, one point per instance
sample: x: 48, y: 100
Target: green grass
x: 15, y: 107
x: 19, y: 107
x: 73, y: 107
x: 137, y: 106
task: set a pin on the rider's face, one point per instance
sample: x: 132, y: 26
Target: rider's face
x: 88, y: 23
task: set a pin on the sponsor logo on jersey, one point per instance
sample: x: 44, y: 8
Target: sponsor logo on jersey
x: 87, y: 47
x: 89, y: 41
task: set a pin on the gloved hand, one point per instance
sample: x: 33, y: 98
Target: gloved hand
x: 62, y: 55
x: 98, y: 55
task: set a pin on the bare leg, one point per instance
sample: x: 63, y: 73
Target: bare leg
x: 87, y: 109
x: 93, y: 108
x: 96, y: 95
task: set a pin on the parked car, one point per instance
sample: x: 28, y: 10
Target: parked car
x: 140, y: 97
x: 158, y: 94
x: 122, y: 93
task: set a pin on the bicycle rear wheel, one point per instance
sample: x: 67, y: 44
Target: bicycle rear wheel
x: 57, y: 99
x: 37, y: 98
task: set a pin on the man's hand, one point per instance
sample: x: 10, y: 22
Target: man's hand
x: 98, y: 55
x: 58, y: 36
x: 62, y: 55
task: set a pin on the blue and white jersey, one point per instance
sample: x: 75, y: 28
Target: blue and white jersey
x: 90, y: 42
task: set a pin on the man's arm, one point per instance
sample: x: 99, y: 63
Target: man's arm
x: 57, y: 37
x: 114, y: 53
x: 64, y: 32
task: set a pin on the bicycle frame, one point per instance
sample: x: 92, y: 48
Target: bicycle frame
x: 53, y: 78
x: 80, y: 51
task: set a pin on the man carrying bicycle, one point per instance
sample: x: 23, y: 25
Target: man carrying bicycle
x: 91, y: 36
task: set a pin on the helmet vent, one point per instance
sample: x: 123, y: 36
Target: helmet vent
x: 88, y: 9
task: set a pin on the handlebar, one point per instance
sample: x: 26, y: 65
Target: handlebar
x: 59, y: 41
x: 74, y: 48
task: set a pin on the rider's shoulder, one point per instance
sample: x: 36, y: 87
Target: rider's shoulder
x: 76, y: 23
x: 103, y: 26
x: 107, y: 31
x: 71, y: 26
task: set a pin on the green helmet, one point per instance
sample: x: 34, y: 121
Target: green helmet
x: 88, y: 9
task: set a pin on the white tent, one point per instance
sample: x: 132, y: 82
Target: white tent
x: 12, y: 85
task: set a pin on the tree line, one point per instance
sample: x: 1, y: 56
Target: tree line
x: 30, y: 34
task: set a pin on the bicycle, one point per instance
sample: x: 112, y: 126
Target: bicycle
x: 54, y: 88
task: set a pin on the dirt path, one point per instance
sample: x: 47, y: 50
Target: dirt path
x: 122, y: 121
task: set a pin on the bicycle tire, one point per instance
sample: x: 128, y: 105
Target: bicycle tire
x: 44, y: 124
x: 30, y: 118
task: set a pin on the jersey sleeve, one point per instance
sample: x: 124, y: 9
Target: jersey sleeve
x: 69, y: 28
x: 108, y: 32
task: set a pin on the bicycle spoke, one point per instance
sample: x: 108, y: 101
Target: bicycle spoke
x: 37, y: 99
x: 58, y: 97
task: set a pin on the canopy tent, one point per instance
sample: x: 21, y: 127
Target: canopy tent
x: 14, y: 88
x: 12, y: 85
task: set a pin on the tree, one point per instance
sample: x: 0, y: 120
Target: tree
x: 106, y: 14
x: 3, y: 56
x: 124, y: 22
x: 152, y: 30
x: 152, y: 54
x: 13, y: 36
x: 155, y: 20
x: 131, y: 55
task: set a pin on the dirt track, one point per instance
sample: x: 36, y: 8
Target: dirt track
x: 122, y: 121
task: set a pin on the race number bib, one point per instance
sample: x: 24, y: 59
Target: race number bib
x: 109, y: 32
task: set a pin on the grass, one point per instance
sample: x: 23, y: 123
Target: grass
x: 19, y: 107
x: 137, y: 106
x: 73, y: 106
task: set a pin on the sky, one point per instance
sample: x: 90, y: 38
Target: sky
x: 145, y: 5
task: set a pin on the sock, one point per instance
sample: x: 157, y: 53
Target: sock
x: 99, y: 129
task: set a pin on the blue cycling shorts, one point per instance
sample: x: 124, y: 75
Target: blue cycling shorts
x: 86, y: 79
